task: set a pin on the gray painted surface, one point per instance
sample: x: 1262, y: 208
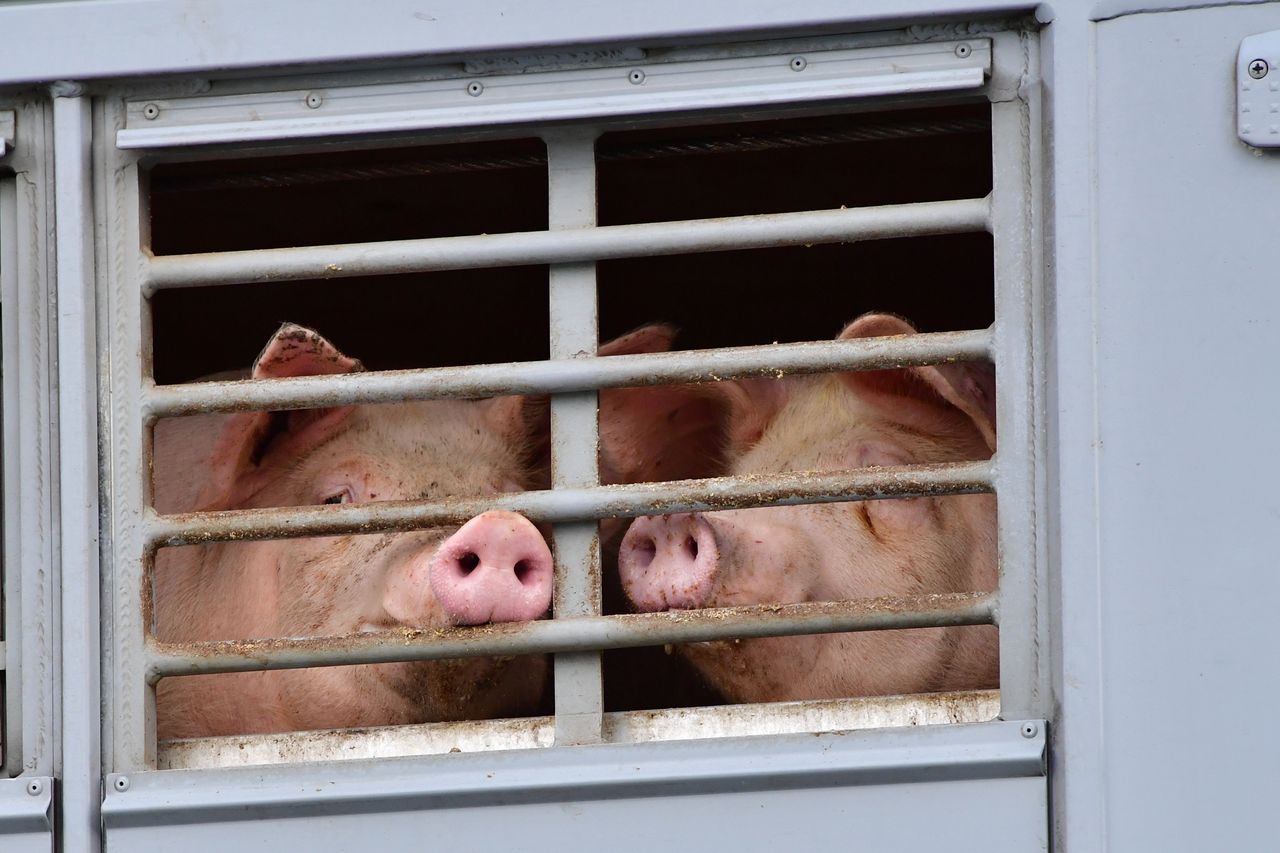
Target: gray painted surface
x: 1188, y: 316
x: 26, y: 814
x: 970, y: 786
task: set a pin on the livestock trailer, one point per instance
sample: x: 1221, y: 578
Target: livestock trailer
x: 471, y: 196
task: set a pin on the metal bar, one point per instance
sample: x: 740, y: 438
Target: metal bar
x: 574, y: 634
x: 576, y: 245
x: 575, y: 434
x: 1023, y: 635
x: 565, y: 505
x: 81, y: 777
x: 568, y: 375
x: 10, y: 569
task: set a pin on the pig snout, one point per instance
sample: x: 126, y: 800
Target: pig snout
x: 496, y: 568
x: 669, y: 562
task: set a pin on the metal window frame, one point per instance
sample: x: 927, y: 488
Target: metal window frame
x: 134, y: 531
x: 30, y: 651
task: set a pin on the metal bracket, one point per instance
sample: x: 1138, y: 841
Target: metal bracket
x: 1258, y: 90
x: 8, y: 129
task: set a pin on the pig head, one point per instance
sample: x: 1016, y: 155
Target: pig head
x: 495, y: 568
x: 831, y: 552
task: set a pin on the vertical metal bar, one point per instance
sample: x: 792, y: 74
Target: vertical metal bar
x: 125, y: 466
x: 1022, y: 630
x: 571, y: 186
x: 11, y: 570
x: 32, y: 540
x: 78, y: 454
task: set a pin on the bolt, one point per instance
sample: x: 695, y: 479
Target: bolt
x: 1030, y: 730
x: 150, y: 111
x: 122, y: 783
x: 474, y: 88
x: 798, y: 63
x: 636, y: 76
x: 314, y: 101
x: 35, y: 787
x: 1258, y: 69
x: 963, y: 50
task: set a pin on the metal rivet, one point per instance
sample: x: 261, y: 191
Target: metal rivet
x: 798, y: 63
x: 1030, y: 729
x: 314, y: 101
x: 1258, y: 69
x: 963, y: 50
x: 35, y: 787
x: 636, y: 76
x: 122, y: 783
x: 150, y: 111
x: 474, y: 88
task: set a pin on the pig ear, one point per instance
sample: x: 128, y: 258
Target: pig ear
x: 525, y: 421
x: 970, y: 388
x: 248, y: 438
x: 664, y: 432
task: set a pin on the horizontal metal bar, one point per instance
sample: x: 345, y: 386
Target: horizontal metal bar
x: 568, y: 375
x: 561, y: 505
x: 575, y: 634
x: 578, y: 245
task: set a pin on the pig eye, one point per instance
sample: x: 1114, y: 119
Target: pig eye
x: 342, y: 497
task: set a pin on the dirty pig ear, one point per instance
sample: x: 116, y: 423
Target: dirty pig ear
x: 663, y: 432
x: 250, y: 437
x: 525, y: 422
x: 970, y: 388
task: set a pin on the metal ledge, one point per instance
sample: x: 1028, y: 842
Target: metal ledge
x: 549, y: 96
x: 992, y: 750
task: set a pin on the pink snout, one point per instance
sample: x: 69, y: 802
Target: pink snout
x: 496, y: 568
x: 669, y: 562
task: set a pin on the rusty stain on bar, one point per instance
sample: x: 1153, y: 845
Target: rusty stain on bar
x: 561, y: 505
x: 574, y: 634
x: 576, y: 245
x: 569, y: 375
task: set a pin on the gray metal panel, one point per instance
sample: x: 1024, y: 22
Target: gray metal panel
x: 78, y: 452
x: 979, y: 786
x: 26, y: 815
x: 1187, y: 320
x: 84, y: 38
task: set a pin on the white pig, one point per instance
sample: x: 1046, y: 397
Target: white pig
x: 830, y: 552
x: 496, y: 568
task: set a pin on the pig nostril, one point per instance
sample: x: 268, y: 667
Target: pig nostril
x: 645, y: 552
x: 691, y: 545
x: 524, y: 571
x: 468, y: 562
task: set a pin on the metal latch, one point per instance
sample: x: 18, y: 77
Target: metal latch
x: 8, y: 126
x: 1258, y: 90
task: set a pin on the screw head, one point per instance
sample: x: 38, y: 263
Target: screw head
x: 636, y: 76
x: 1030, y: 730
x: 314, y: 101
x: 122, y: 783
x: 798, y: 63
x: 35, y: 787
x: 474, y: 88
x: 1258, y: 69
x: 150, y: 112
x: 963, y: 50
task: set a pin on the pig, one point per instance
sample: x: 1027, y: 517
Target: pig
x: 495, y: 568
x: 837, y: 551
